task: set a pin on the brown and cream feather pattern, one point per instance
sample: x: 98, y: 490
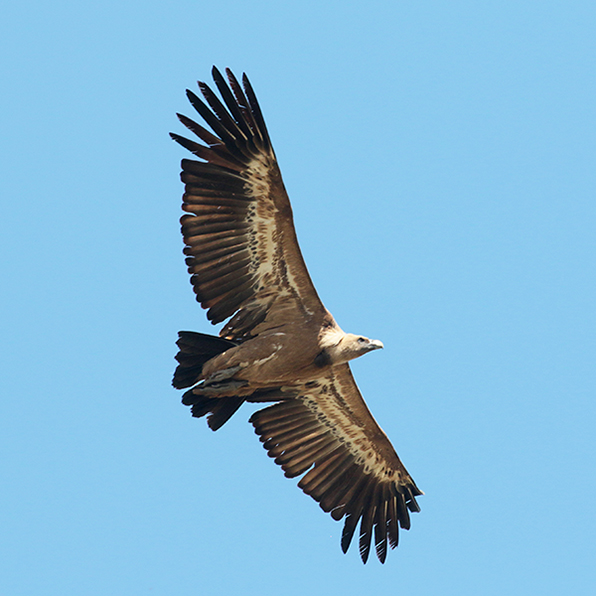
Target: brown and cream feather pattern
x: 279, y: 343
x: 241, y: 245
x: 351, y: 467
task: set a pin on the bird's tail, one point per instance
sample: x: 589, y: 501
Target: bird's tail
x: 195, y: 350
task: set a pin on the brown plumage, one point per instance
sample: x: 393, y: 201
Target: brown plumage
x: 279, y: 343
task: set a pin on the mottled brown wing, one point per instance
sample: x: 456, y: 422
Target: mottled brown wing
x: 240, y: 242
x: 351, y: 467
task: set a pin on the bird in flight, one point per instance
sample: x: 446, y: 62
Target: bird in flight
x: 279, y: 344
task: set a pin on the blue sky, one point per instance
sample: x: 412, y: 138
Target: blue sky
x: 440, y: 160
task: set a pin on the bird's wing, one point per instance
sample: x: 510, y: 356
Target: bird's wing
x: 352, y: 469
x: 240, y: 242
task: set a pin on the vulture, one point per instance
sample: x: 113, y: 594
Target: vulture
x: 279, y: 345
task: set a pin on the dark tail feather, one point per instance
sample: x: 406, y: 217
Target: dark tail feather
x: 195, y: 350
x: 223, y: 411
x: 220, y: 409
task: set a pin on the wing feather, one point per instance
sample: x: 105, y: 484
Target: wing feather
x: 232, y: 103
x: 328, y: 434
x: 244, y: 107
x: 336, y: 492
x: 356, y: 507
x: 381, y: 523
x: 366, y: 525
x: 392, y: 524
x: 235, y: 199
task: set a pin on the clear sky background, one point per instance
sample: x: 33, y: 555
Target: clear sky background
x: 440, y: 157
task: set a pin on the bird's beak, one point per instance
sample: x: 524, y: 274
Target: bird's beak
x: 375, y: 344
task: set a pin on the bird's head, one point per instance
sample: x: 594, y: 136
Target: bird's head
x: 351, y: 346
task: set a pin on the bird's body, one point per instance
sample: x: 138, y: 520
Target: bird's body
x: 280, y: 343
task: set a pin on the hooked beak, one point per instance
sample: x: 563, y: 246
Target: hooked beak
x: 375, y: 344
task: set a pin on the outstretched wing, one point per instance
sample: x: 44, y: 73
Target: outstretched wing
x: 351, y: 467
x: 240, y: 242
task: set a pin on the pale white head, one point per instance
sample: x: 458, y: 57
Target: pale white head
x: 339, y: 347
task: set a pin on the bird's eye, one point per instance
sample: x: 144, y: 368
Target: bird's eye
x: 362, y: 340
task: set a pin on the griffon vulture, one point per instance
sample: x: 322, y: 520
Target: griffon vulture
x: 280, y: 344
